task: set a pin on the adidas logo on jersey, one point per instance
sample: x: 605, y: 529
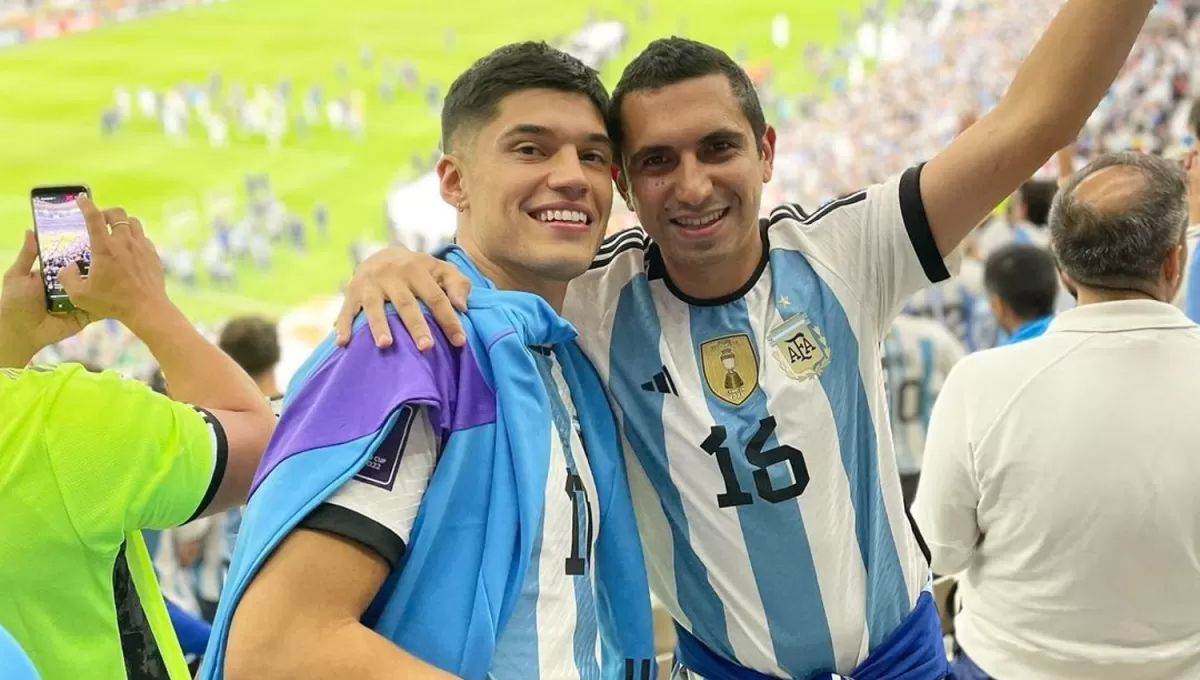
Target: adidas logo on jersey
x: 661, y: 383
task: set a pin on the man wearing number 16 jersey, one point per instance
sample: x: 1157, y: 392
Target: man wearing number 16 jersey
x: 744, y: 355
x: 462, y: 512
x: 917, y: 356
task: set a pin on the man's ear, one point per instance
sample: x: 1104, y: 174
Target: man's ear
x: 1176, y: 264
x: 1068, y: 284
x: 768, y: 154
x: 622, y: 185
x: 451, y: 182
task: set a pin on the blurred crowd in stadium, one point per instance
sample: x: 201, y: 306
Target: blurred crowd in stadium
x: 902, y: 111
x: 934, y: 67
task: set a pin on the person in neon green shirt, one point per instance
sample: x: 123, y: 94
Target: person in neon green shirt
x: 87, y: 461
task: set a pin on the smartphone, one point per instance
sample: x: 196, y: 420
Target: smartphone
x: 62, y: 238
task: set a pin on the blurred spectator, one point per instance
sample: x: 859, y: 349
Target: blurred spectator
x: 917, y: 356
x: 1022, y: 285
x: 253, y: 342
x: 1028, y: 211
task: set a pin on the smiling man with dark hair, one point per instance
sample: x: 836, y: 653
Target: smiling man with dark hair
x: 744, y: 354
x: 462, y: 512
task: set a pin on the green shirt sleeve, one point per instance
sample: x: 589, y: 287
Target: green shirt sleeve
x: 128, y: 458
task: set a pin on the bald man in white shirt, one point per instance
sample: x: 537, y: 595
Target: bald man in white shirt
x: 1061, y: 474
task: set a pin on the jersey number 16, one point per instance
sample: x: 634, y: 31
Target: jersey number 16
x: 761, y: 460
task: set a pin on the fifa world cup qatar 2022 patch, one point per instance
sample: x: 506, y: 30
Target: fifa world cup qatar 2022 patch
x: 380, y: 468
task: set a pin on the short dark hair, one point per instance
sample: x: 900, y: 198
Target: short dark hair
x: 474, y: 97
x: 252, y: 342
x: 1123, y: 248
x: 668, y: 61
x: 1037, y: 195
x: 1024, y: 277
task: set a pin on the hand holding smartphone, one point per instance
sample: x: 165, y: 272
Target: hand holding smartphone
x: 62, y: 239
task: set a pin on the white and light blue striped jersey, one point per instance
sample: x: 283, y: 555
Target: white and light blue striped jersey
x: 756, y: 431
x: 961, y: 305
x: 917, y: 356
x: 552, y: 633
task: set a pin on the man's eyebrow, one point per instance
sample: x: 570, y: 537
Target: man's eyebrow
x: 725, y: 134
x: 600, y: 138
x: 526, y: 129
x: 543, y: 131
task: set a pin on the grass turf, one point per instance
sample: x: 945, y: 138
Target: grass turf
x: 55, y: 90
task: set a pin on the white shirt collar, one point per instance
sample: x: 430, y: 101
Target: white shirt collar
x: 1121, y: 315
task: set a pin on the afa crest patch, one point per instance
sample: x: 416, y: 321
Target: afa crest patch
x: 730, y: 367
x: 800, y: 348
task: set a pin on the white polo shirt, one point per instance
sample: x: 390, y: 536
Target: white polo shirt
x: 1062, y: 477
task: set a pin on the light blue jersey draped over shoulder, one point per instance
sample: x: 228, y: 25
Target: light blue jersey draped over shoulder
x: 473, y: 538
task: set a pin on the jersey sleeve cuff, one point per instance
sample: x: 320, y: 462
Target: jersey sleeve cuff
x: 340, y: 521
x: 220, y: 444
x: 916, y: 222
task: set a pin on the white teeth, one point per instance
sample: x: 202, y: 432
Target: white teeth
x: 702, y: 221
x: 562, y: 216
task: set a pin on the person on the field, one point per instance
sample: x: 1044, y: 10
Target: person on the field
x: 769, y: 504
x: 1060, y: 473
x: 460, y: 512
x: 88, y: 460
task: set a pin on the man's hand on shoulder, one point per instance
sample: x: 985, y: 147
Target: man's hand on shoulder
x: 405, y: 278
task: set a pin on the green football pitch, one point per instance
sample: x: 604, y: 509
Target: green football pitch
x: 55, y: 90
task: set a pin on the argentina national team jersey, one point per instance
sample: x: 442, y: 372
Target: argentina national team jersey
x: 917, y: 356
x: 756, y: 432
x: 552, y: 633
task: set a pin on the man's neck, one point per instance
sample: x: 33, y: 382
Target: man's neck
x: 1091, y: 296
x: 719, y: 279
x: 505, y: 278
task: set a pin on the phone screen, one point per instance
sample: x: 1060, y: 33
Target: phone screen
x: 62, y: 239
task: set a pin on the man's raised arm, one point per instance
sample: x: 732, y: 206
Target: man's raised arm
x: 1046, y: 105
